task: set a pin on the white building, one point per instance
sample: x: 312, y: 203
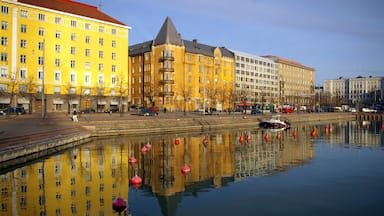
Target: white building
x: 256, y: 80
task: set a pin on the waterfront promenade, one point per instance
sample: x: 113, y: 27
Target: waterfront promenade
x: 30, y: 134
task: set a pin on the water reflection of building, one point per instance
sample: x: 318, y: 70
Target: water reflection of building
x: 85, y: 180
x: 82, y: 181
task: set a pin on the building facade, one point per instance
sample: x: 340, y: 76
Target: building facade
x: 58, y: 55
x: 296, y: 82
x: 256, y: 80
x: 180, y: 75
x: 364, y: 91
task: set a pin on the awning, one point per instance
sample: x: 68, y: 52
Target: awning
x: 73, y: 101
x: 22, y: 101
x: 58, y: 101
x: 101, y: 102
x: 4, y: 100
x: 114, y: 102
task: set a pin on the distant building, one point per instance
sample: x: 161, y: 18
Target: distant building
x: 181, y: 75
x: 256, y: 80
x: 297, y: 82
x: 353, y: 91
x: 73, y: 51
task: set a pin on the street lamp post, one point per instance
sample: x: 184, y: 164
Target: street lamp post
x: 43, y: 85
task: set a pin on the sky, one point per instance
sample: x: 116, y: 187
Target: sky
x: 338, y: 38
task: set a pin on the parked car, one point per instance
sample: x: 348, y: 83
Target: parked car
x: 256, y: 112
x: 111, y: 110
x: 88, y: 110
x: 13, y: 111
x: 149, y: 111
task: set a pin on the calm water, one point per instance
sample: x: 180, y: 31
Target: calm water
x: 337, y: 172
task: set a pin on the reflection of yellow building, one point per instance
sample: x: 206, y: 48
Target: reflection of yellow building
x: 177, y: 74
x: 73, y: 51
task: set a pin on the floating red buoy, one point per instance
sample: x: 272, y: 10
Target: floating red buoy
x: 358, y: 126
x: 132, y: 160
x: 248, y: 138
x: 278, y: 135
x: 119, y: 204
x: 314, y: 132
x: 148, y: 146
x: 266, y: 137
x: 185, y: 169
x: 144, y: 150
x: 241, y: 139
x: 294, y: 134
x: 136, y: 181
x: 177, y: 141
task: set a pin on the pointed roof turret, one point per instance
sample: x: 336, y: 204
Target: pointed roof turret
x: 168, y: 34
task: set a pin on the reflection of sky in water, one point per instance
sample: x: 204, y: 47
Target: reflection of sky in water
x: 337, y: 173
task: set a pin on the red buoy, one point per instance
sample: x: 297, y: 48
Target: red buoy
x: 136, y: 181
x: 132, y: 160
x: 177, y: 141
x: 266, y: 137
x: 294, y: 134
x: 185, y: 169
x: 314, y: 132
x: 144, y: 150
x: 119, y: 205
x: 241, y: 139
x: 148, y: 146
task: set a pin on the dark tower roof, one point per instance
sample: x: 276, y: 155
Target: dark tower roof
x: 168, y: 34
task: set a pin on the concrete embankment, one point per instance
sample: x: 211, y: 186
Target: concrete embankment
x: 58, y: 136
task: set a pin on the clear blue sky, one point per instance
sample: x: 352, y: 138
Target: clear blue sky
x: 336, y: 37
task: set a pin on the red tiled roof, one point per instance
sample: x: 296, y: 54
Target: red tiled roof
x: 73, y: 7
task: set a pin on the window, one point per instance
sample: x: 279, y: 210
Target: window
x: 23, y: 73
x: 23, y: 28
x: 57, y: 48
x: 73, y: 63
x: 58, y: 34
x: 101, y: 54
x: 101, y: 79
x: 41, y: 31
x: 4, y: 41
x: 57, y: 76
x: 23, y: 59
x: 58, y: 20
x: 73, y: 23
x: 73, y: 77
x: 87, y: 52
x: 87, y: 39
x: 4, y: 9
x: 87, y: 26
x: 40, y: 45
x: 24, y: 13
x: 101, y: 28
x: 73, y: 36
x: 101, y: 41
x: 113, y: 56
x: 87, y: 65
x: 57, y: 62
x: 40, y: 74
x: 41, y: 17
x: 40, y: 60
x: 87, y: 79
x: 113, y: 80
x: 4, y: 25
x: 101, y: 67
x: 114, y: 31
x: 113, y: 68
x: 23, y: 43
x: 3, y: 72
x: 73, y: 50
x: 113, y: 43
x: 4, y: 57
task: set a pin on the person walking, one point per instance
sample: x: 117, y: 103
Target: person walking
x: 74, y: 117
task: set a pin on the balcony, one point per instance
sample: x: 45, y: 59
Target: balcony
x: 162, y: 94
x: 166, y: 58
x: 163, y: 82
x: 162, y: 70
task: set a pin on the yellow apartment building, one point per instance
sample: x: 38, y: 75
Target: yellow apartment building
x: 69, y: 54
x: 180, y: 75
x: 297, y: 82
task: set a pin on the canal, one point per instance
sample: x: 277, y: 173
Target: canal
x: 328, y: 169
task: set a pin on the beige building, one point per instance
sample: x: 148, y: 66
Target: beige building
x: 296, y: 82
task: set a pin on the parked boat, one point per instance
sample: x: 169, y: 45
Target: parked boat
x: 275, y: 123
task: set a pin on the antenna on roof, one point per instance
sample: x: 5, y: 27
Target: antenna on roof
x: 100, y: 4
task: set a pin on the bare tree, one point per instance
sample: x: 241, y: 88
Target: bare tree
x: 29, y: 91
x: 123, y: 91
